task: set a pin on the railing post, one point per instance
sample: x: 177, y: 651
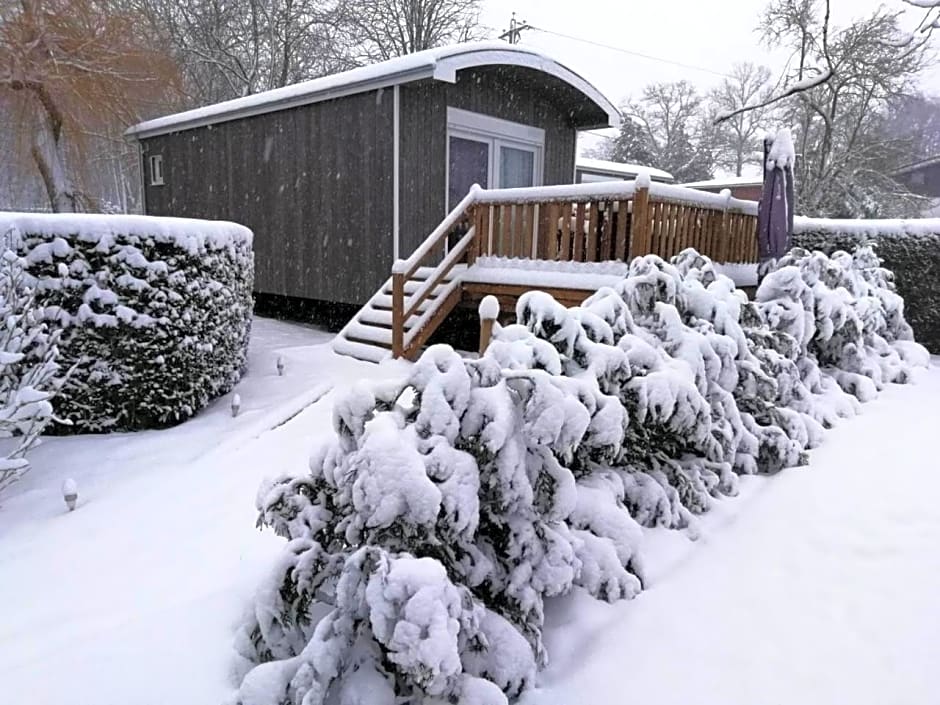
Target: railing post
x: 640, y: 223
x: 489, y: 312
x: 475, y: 218
x: 398, y: 314
x: 535, y: 231
x: 725, y: 249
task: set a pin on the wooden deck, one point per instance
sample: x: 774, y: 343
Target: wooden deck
x: 583, y: 224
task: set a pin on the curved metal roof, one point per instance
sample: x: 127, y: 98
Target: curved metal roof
x: 441, y: 64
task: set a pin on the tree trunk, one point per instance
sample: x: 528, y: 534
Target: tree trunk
x: 48, y: 155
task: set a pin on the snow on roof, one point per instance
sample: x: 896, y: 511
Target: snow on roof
x: 587, y: 163
x: 441, y: 64
x: 727, y: 182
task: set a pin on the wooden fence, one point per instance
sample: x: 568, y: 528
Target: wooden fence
x: 599, y: 230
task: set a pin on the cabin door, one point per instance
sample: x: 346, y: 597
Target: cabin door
x: 491, y: 152
x: 469, y: 165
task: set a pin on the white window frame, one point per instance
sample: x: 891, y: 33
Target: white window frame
x: 155, y: 162
x: 496, y: 133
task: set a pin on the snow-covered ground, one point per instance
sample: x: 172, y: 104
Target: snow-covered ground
x: 818, y: 585
x: 133, y: 598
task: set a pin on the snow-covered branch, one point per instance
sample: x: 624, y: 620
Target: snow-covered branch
x: 807, y: 84
x: 820, y: 74
x: 28, y: 371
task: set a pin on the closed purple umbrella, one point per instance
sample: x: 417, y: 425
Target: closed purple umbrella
x: 776, y: 207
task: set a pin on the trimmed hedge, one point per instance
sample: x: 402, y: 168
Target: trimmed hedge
x: 155, y: 312
x: 910, y: 249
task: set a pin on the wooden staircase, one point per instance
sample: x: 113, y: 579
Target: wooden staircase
x: 584, y: 224
x: 368, y: 336
x: 403, y: 314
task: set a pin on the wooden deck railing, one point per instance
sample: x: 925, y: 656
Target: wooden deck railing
x: 581, y: 223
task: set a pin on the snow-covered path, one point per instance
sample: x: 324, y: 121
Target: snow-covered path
x: 818, y: 586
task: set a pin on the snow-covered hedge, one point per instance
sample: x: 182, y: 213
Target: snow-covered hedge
x: 154, y: 313
x: 426, y: 536
x: 910, y: 249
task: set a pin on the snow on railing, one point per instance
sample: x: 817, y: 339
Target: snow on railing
x: 614, y: 190
x: 703, y: 199
x: 564, y: 192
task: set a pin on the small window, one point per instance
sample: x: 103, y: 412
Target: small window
x: 156, y: 170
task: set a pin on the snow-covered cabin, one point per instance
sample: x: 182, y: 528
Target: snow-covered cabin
x: 588, y: 171
x: 747, y: 188
x: 341, y: 175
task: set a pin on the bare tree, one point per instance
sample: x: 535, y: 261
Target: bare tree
x: 666, y: 129
x: 382, y: 29
x: 785, y: 20
x: 846, y: 151
x: 70, y: 66
x: 799, y: 26
x: 231, y: 49
x: 739, y: 137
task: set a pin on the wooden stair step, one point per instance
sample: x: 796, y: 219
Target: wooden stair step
x: 412, y: 286
x: 373, y: 343
x: 384, y: 302
x: 366, y: 352
x: 371, y: 334
x: 382, y: 317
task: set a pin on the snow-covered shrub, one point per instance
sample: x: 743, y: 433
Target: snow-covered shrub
x: 852, y: 323
x: 666, y: 429
x: 715, y: 385
x: 154, y: 313
x: 427, y: 535
x: 28, y: 370
x: 910, y: 254
x: 433, y: 527
x: 669, y: 342
x: 763, y: 415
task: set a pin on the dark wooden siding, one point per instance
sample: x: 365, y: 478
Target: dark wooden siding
x: 314, y: 184
x: 510, y: 93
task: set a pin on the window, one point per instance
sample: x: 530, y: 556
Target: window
x: 490, y: 152
x: 156, y: 170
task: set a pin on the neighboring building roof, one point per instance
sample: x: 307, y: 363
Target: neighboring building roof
x: 441, y: 64
x: 922, y: 164
x: 621, y: 169
x: 727, y: 182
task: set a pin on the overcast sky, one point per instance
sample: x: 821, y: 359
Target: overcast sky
x: 710, y: 35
